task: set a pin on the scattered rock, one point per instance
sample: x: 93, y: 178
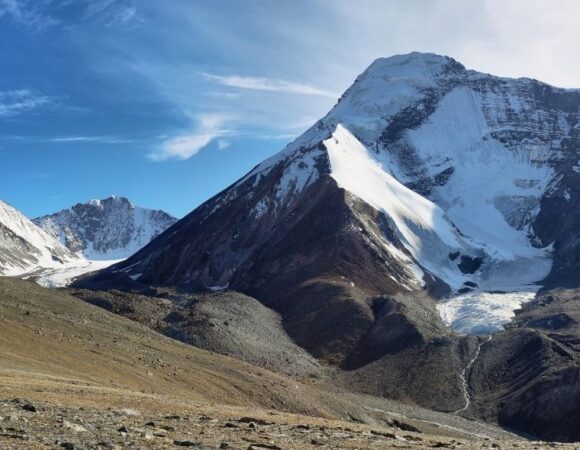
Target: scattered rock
x: 15, y: 435
x: 384, y: 434
x: 267, y: 446
x: 148, y: 435
x: 73, y: 426
x: 29, y: 407
x: 405, y: 426
x: 190, y: 444
x: 256, y: 421
x: 129, y: 412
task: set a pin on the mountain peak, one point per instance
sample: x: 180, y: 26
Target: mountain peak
x: 110, y: 200
x: 439, y: 154
x: 107, y: 229
x: 414, y: 64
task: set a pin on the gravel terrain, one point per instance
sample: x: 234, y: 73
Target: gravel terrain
x: 75, y: 376
x: 228, y: 323
x: 118, y: 420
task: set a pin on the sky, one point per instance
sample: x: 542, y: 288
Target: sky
x: 169, y: 102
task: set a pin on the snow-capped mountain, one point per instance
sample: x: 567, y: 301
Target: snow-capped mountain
x: 24, y: 247
x: 109, y: 229
x: 425, y: 177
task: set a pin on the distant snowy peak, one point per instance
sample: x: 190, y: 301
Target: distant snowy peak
x: 108, y: 229
x: 25, y: 247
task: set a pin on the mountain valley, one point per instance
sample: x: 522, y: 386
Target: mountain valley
x: 406, y: 273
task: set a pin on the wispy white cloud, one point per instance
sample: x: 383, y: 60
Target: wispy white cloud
x: 111, y: 12
x: 209, y: 128
x: 97, y: 7
x: 224, y: 95
x: 13, y: 103
x: 72, y: 139
x: 222, y: 144
x: 88, y: 139
x: 270, y: 85
x: 27, y: 12
x: 40, y: 15
x: 276, y: 137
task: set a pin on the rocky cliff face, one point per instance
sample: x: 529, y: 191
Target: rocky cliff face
x: 107, y: 229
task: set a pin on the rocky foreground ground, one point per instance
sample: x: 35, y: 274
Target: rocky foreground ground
x: 74, y: 376
x: 41, y: 425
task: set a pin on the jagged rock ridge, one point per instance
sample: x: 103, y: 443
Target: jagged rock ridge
x: 107, y: 229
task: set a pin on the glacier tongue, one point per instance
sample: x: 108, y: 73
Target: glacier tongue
x: 482, y: 312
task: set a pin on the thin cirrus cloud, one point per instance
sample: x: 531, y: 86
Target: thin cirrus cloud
x: 111, y: 12
x: 41, y: 15
x: 15, y: 102
x: 89, y: 139
x: 210, y: 127
x: 25, y: 12
x: 267, y: 84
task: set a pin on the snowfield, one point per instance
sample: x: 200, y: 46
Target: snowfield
x: 64, y: 276
x: 429, y: 235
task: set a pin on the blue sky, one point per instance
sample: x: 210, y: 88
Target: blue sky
x: 168, y: 102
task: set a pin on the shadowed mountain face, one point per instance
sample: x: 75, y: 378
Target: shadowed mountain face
x: 425, y: 181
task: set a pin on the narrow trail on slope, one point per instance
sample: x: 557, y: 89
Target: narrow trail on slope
x: 464, y: 374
